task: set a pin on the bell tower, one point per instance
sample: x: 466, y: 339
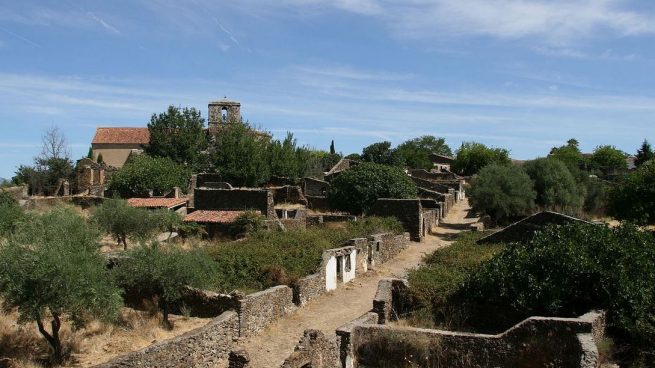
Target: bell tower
x: 223, y: 111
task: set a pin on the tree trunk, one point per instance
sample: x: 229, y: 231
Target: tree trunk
x: 164, y: 309
x: 124, y: 240
x: 56, y: 356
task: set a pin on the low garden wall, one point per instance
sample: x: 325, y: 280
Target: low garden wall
x: 314, y: 350
x: 202, y: 347
x: 258, y: 310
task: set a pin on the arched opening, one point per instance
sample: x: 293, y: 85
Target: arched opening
x: 224, y: 114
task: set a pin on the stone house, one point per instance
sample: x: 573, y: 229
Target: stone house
x: 116, y: 144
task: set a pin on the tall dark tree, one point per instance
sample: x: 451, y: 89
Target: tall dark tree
x: 177, y: 134
x: 416, y: 152
x: 332, y: 150
x: 644, y: 154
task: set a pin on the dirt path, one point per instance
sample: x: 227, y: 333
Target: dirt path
x: 331, y: 310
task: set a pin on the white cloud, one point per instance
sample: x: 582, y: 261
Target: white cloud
x: 103, y: 23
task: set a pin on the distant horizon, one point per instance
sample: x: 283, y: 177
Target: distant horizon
x: 526, y: 76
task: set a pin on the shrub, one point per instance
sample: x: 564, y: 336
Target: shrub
x: 51, y: 269
x: 473, y: 157
x: 568, y: 270
x: 357, y: 189
x: 142, y: 173
x: 555, y: 185
x: 502, y: 192
x: 246, y: 223
x: 609, y: 160
x: 434, y: 284
x: 634, y: 198
x: 10, y: 214
x: 165, y: 273
x: 415, y: 153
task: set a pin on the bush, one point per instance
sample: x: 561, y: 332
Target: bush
x: 142, y: 173
x: 165, y: 273
x: 568, y: 270
x: 246, y: 223
x: 609, y: 160
x: 473, y: 157
x: 634, y: 198
x: 269, y: 258
x: 555, y: 185
x: 502, y: 192
x: 434, y: 284
x: 415, y: 153
x: 357, y: 189
x: 51, y: 269
x: 10, y: 214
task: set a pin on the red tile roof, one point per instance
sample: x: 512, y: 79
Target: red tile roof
x: 156, y: 202
x: 216, y: 217
x: 122, y: 135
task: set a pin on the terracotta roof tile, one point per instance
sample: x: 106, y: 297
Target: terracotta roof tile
x: 216, y: 217
x: 122, y: 135
x: 156, y: 202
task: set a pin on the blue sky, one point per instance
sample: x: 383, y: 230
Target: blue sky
x: 525, y: 75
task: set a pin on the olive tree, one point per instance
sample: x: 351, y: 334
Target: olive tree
x: 120, y: 220
x: 634, y: 198
x: 555, y: 185
x: 164, y: 274
x: 472, y: 157
x: 10, y: 213
x: 51, y: 270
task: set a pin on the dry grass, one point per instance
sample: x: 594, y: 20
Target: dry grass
x: 21, y: 346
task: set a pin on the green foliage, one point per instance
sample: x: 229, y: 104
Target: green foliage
x: 436, y: 283
x: 472, y: 157
x: 644, y: 154
x: 100, y: 159
x: 269, y: 258
x: 89, y: 154
x: 597, y: 196
x: 609, y: 160
x: 354, y: 156
x: 246, y: 223
x: 165, y: 273
x: 332, y: 150
x: 415, y: 153
x: 634, y: 198
x: 240, y: 155
x: 502, y: 192
x: 10, y: 214
x: 287, y: 159
x: 357, y: 189
x: 555, y: 185
x: 51, y: 269
x: 142, y: 173
x: 177, y: 134
x: 381, y: 153
x: 120, y: 220
x: 568, y: 270
x: 570, y: 155
x: 42, y: 178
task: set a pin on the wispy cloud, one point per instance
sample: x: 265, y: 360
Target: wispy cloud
x: 19, y: 37
x: 103, y: 23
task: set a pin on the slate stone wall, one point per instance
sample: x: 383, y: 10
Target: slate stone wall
x: 407, y: 211
x: 258, y: 310
x: 202, y: 347
x: 315, y: 187
x: 308, y: 288
x: 314, y: 350
x: 235, y: 200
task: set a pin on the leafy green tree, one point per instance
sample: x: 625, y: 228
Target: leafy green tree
x: 240, y: 154
x: 51, y: 269
x: 120, y: 220
x: 472, y: 157
x: 287, y: 159
x: 246, y: 223
x: 609, y: 160
x: 100, y: 159
x: 10, y: 214
x: 502, y: 192
x: 165, y: 274
x: 644, y: 154
x: 354, y: 156
x: 357, y: 189
x: 381, y: 153
x: 177, y: 134
x: 165, y: 220
x: 634, y: 198
x: 415, y: 153
x: 570, y: 155
x: 90, y: 153
x: 569, y: 270
x: 555, y: 185
x: 142, y: 173
x: 332, y: 150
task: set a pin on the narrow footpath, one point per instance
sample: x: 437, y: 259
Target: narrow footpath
x: 331, y: 310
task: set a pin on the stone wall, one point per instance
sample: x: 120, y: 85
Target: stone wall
x: 524, y: 230
x: 407, y: 211
x: 308, y: 288
x: 195, y: 302
x: 392, y: 300
x: 426, y: 175
x: 535, y: 342
x: 235, y: 200
x: 314, y: 350
x: 288, y: 194
x: 202, y: 347
x: 386, y: 246
x: 258, y: 310
x: 315, y: 187
x: 318, y: 203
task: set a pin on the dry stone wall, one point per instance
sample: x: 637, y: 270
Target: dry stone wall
x: 314, y: 350
x: 203, y: 347
x: 258, y: 310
